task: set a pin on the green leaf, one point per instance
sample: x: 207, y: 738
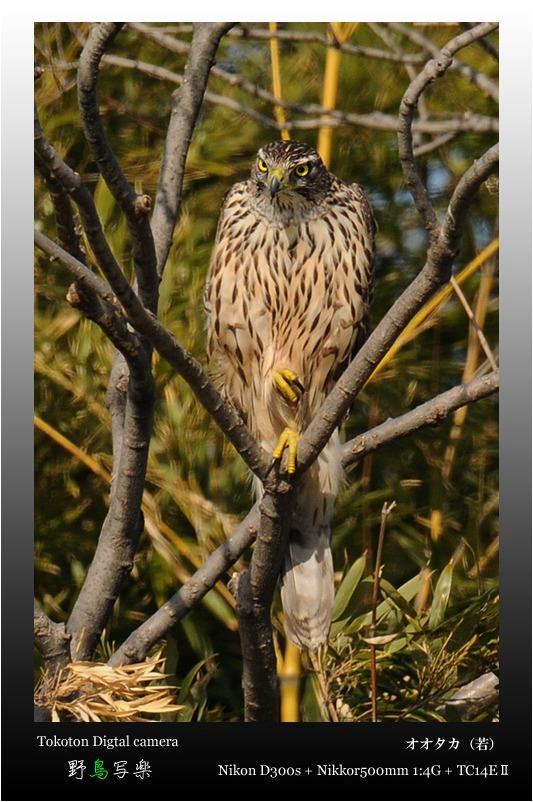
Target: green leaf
x: 186, y: 685
x: 348, y: 586
x: 397, y: 598
x: 441, y: 597
x: 348, y: 626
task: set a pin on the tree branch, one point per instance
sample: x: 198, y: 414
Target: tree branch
x: 65, y: 222
x: 117, y: 544
x: 475, y: 77
x: 53, y: 643
x: 434, y: 69
x: 254, y: 591
x: 185, y: 106
x: 87, y: 293
x: 89, y: 290
x: 431, y: 413
x: 464, y: 193
x: 118, y: 539
x: 135, y: 207
x: 90, y: 219
x: 135, y: 648
x: 51, y: 639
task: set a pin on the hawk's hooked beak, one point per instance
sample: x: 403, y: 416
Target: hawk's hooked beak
x: 275, y: 179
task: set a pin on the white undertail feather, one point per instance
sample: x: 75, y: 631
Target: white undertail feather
x: 307, y: 587
x: 289, y: 287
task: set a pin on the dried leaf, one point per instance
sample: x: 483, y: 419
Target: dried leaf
x: 97, y: 692
x: 380, y: 640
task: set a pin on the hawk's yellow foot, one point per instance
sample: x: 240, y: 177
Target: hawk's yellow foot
x: 289, y: 439
x: 288, y: 384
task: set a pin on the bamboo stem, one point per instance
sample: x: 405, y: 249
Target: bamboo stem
x: 331, y: 84
x: 279, y: 111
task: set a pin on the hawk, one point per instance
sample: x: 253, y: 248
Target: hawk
x: 287, y: 297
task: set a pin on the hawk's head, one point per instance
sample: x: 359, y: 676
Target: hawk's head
x: 286, y: 170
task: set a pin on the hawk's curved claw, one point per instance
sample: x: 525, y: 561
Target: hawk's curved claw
x: 288, y: 384
x: 289, y: 439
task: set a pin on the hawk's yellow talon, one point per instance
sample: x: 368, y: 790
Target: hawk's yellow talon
x: 288, y: 384
x: 289, y: 439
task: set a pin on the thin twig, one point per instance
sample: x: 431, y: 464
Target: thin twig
x: 464, y: 193
x: 307, y: 37
x: 92, y: 226
x: 481, y: 337
x: 385, y: 512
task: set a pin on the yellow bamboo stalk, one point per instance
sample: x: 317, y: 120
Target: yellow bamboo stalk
x: 436, y: 524
x: 290, y: 669
x: 73, y: 449
x: 279, y: 112
x: 331, y: 84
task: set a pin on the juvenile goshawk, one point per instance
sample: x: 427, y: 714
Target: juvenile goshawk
x: 287, y: 296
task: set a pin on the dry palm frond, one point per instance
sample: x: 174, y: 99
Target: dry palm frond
x: 89, y: 691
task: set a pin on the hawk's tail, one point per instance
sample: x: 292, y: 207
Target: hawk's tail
x: 307, y: 589
x: 307, y: 586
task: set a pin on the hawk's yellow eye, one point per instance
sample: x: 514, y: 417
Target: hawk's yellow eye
x: 262, y: 166
x: 302, y: 170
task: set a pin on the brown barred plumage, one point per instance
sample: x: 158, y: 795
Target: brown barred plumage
x: 288, y: 290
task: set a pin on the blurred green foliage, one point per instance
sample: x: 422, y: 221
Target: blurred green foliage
x: 447, y: 497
